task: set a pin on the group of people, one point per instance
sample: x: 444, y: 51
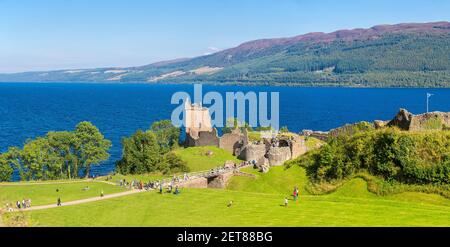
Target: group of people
x: 25, y: 203
x: 295, y: 194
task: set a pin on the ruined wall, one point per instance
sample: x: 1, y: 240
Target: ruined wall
x: 220, y: 181
x: 195, y: 183
x: 298, y: 147
x: 232, y: 142
x: 278, y: 155
x: 253, y: 152
x: 427, y: 121
x: 205, y: 138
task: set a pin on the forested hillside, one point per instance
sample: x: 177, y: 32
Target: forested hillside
x: 403, y: 55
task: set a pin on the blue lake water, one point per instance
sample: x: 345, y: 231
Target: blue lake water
x: 28, y: 110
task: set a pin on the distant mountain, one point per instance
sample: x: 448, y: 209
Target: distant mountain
x: 402, y: 55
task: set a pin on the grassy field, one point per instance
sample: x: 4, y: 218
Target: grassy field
x: 198, y: 160
x: 257, y: 202
x: 45, y: 193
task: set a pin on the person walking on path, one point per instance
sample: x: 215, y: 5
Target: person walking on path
x: 58, y: 202
x: 101, y: 193
x: 295, y: 193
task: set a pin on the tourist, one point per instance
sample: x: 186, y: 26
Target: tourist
x: 24, y: 205
x: 160, y: 188
x: 286, y: 201
x: 296, y: 192
x: 58, y: 203
x: 18, y: 204
x: 101, y: 193
x: 176, y: 190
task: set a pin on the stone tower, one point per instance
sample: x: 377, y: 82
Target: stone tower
x: 197, y: 119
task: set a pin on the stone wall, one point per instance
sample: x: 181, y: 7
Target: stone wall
x: 205, y: 138
x: 298, y: 147
x: 278, y: 155
x: 253, y: 152
x: 220, y: 181
x: 232, y: 142
x: 195, y: 183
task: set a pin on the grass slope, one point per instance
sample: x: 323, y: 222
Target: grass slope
x: 256, y: 204
x: 42, y: 194
x: 197, y: 160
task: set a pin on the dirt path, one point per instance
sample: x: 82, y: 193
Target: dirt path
x: 76, y: 202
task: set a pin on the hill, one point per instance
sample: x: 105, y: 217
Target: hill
x: 402, y: 55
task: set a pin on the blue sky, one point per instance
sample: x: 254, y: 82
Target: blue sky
x: 57, y: 34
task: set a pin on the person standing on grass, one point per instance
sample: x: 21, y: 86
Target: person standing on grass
x: 160, y: 188
x: 286, y: 201
x: 101, y: 193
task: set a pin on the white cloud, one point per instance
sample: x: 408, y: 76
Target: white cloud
x: 211, y: 50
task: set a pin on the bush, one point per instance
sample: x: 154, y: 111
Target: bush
x: 407, y: 157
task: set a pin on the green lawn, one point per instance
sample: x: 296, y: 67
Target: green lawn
x: 257, y: 202
x: 42, y: 194
x: 198, y: 160
x: 277, y: 180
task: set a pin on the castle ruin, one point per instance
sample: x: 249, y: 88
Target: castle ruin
x: 268, y: 151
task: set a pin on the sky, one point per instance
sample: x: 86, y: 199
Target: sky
x: 68, y: 34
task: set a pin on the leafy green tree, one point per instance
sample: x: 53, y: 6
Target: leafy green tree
x: 166, y: 134
x: 92, y: 147
x: 173, y: 163
x: 141, y: 153
x: 6, y: 169
x: 64, y: 144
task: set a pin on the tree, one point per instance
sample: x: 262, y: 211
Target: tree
x: 173, y: 163
x: 64, y: 144
x: 141, y: 153
x: 166, y: 134
x: 6, y: 169
x: 92, y: 147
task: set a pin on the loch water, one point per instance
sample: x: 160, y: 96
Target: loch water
x: 29, y: 110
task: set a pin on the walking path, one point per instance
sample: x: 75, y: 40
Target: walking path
x: 92, y: 199
x: 191, y: 176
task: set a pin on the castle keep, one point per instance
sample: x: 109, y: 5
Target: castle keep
x: 268, y: 151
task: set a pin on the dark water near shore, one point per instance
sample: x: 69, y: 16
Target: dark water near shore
x: 28, y: 110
